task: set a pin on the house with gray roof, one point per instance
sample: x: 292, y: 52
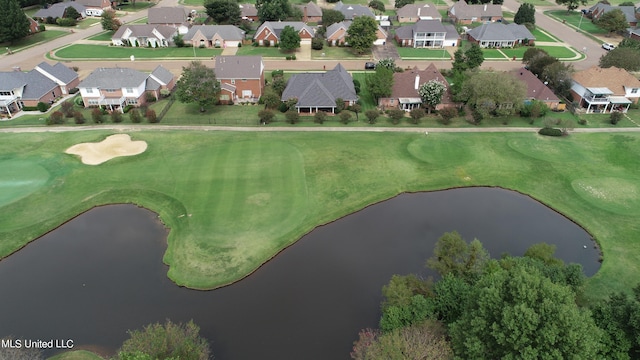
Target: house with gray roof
x: 463, y: 13
x: 178, y: 17
x: 241, y: 78
x: 411, y: 13
x: 144, y: 35
x: 269, y: 32
x: 58, y: 10
x: 310, y: 12
x: 336, y: 34
x: 248, y: 12
x: 219, y: 36
x: 599, y: 9
x: 497, y: 35
x: 115, y: 88
x: 350, y: 11
x: 427, y: 34
x: 319, y: 91
x: 96, y: 7
x: 45, y: 83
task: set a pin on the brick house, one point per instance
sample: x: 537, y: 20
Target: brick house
x: 58, y: 10
x: 337, y: 32
x: 248, y: 12
x: 241, y: 78
x: 144, y: 35
x: 427, y: 34
x: 178, y: 17
x: 269, y: 32
x: 537, y: 90
x: 404, y: 93
x: 598, y: 90
x: 463, y: 13
x: 351, y: 11
x: 599, y: 9
x: 96, y: 7
x: 411, y: 13
x: 310, y: 12
x: 220, y: 36
x: 499, y: 35
x: 115, y: 88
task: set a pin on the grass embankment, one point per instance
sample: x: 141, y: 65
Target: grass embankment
x: 233, y: 200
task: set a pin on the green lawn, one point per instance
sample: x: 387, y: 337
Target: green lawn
x: 103, y: 36
x: 537, y: 2
x: 493, y: 54
x: 76, y: 355
x: 88, y: 22
x: 32, y: 40
x: 573, y: 18
x: 560, y: 52
x: 234, y: 199
x: 85, y: 51
x: 336, y: 52
x: 543, y: 36
x: 139, y: 6
x: 263, y: 51
x: 413, y: 53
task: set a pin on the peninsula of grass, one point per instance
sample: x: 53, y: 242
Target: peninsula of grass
x: 543, y: 36
x: 233, y: 200
x: 574, y: 18
x: 86, y: 51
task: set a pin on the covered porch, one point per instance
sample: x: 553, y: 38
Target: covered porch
x: 9, y: 105
x: 408, y: 104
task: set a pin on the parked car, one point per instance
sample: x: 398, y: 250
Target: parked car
x: 369, y: 66
x: 608, y: 46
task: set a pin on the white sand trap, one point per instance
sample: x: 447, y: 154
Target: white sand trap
x: 111, y: 147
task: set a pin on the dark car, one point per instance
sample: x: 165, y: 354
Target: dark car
x: 369, y: 66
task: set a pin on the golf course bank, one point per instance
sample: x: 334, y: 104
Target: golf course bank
x: 233, y: 200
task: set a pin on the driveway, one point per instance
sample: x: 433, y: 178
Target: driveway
x: 385, y: 51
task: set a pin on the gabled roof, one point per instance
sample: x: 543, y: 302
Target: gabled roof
x: 160, y: 73
x: 227, y: 32
x: 113, y: 78
x: 167, y: 15
x: 312, y: 8
x: 91, y: 3
x: 276, y: 27
x: 145, y: 30
x: 500, y: 31
x: 239, y: 67
x: 248, y: 10
x: 352, y: 10
x: 57, y: 10
x: 406, y: 32
x: 613, y: 78
x: 333, y: 28
x: 320, y: 89
x: 11, y: 80
x: 536, y: 89
x: 35, y: 84
x: 404, y: 82
x: 628, y: 11
x: 462, y: 10
x: 58, y: 71
x: 419, y: 10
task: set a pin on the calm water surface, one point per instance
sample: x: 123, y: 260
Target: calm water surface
x: 102, y: 273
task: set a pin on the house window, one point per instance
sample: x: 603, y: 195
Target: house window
x: 93, y: 102
x: 5, y: 93
x: 634, y: 90
x: 244, y: 80
x: 129, y: 90
x: 224, y: 97
x: 89, y: 90
x: 233, y: 81
x: 132, y: 101
x: 110, y: 90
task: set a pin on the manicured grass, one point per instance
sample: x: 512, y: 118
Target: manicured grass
x: 33, y: 40
x: 517, y: 52
x: 84, y: 51
x: 537, y: 2
x: 336, y: 52
x: 560, y: 52
x: 103, y: 36
x: 263, y: 51
x: 76, y: 355
x: 573, y: 18
x: 543, y: 36
x: 234, y: 199
x: 88, y: 22
x: 139, y: 6
x: 493, y: 54
x: 413, y: 53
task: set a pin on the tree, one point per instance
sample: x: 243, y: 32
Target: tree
x: 97, y: 116
x: 613, y: 21
x: 109, y: 21
x: 490, y: 93
x: 571, y: 4
x: 526, y: 14
x: 320, y: 117
x: 71, y: 13
x: 198, y: 84
x: 134, y: 116
x: 532, y: 52
x: 377, y: 5
x: 447, y: 114
x: 425, y: 340
x: 388, y: 63
x: 178, y: 40
x: 396, y: 115
x: 330, y: 17
x: 223, y: 11
x: 474, y: 56
x: 270, y: 99
x: 416, y: 114
x: 619, y: 318
x: 292, y: 116
x: 558, y: 77
x: 627, y: 3
x: 356, y: 108
x: 459, y: 62
x: 273, y: 10
x: 629, y: 43
x: 539, y: 62
x: 380, y: 83
x: 278, y: 84
x: 372, y: 115
x: 401, y: 3
x: 167, y: 341
x: 289, y: 39
x: 544, y: 252
x: 431, y: 93
x: 452, y: 255
x: 151, y: 116
x: 362, y: 33
x: 624, y: 58
x: 14, y: 24
x: 345, y: 117
x: 265, y: 116
x: 116, y: 116
x: 518, y: 313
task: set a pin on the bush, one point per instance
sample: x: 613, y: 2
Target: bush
x: 127, y: 108
x: 292, y: 116
x: 417, y: 114
x: 550, y: 131
x: 168, y: 341
x: 293, y: 57
x: 41, y: 28
x: 78, y: 117
x: 276, y: 73
x: 615, y: 117
x: 345, y: 117
x: 372, y: 115
x: 317, y: 44
x: 151, y: 116
x: 67, y: 108
x: 57, y: 117
x: 356, y: 85
x: 116, y: 117
x: 396, y: 115
x: 447, y: 114
x: 149, y: 97
x: 42, y: 107
x: 320, y: 117
x: 283, y: 107
x: 582, y: 121
x: 66, y: 22
x: 97, y: 116
x: 134, y: 116
x: 266, y: 116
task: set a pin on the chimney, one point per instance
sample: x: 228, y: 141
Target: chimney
x: 305, y: 17
x: 418, y: 12
x: 417, y: 83
x: 485, y: 7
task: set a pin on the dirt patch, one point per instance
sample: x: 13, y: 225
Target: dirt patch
x: 111, y: 147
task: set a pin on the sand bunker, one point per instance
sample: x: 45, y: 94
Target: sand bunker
x: 109, y: 148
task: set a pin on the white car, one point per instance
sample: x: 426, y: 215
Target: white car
x: 608, y: 46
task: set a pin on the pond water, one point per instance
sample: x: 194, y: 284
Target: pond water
x: 101, y: 274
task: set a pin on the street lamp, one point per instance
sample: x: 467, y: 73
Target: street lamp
x: 580, y: 22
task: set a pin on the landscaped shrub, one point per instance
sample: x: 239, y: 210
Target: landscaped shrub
x: 550, y: 131
x: 292, y: 116
x: 66, y: 22
x: 97, y: 116
x: 395, y: 115
x: 78, y: 117
x: 320, y: 117
x: 149, y: 97
x: 317, y: 44
x: 615, y: 117
x: 582, y: 121
x: 41, y: 28
x: 372, y: 115
x: 134, y: 116
x: 356, y: 85
x: 151, y: 116
x: 127, y: 108
x: 67, y: 108
x: 42, y: 107
x: 417, y: 114
x: 345, y: 117
x: 78, y: 101
x: 283, y: 107
x: 57, y: 117
x: 116, y: 116
x: 276, y: 73
x: 447, y: 114
x: 266, y: 116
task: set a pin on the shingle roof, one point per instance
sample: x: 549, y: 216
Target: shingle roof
x: 536, y: 89
x: 11, y: 80
x: 462, y: 10
x: 113, y: 78
x: 352, y: 10
x: 92, y: 3
x: 57, y: 10
x: 238, y: 67
x: 227, y: 32
x: 320, y: 89
x: 404, y: 82
x: 628, y: 11
x: 59, y: 71
x: 613, y: 78
x: 500, y: 31
x: 167, y: 15
x: 162, y: 74
x: 276, y: 27
x: 248, y: 10
x: 406, y: 32
x: 145, y: 30
x: 418, y: 10
x: 312, y: 8
x: 429, y: 26
x: 337, y: 26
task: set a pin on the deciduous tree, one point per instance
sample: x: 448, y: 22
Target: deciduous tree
x: 474, y: 56
x: 289, y: 39
x: 167, y: 341
x: 330, y: 17
x: 198, y: 84
x: 14, y: 24
x: 372, y: 115
x: 571, y: 4
x: 624, y: 58
x: 401, y: 3
x: 452, y: 255
x: 380, y: 83
x: 109, y: 21
x: 273, y: 10
x: 431, y: 93
x: 362, y: 33
x: 526, y: 14
x: 613, y: 21
x: 491, y: 93
x: 223, y: 11
x: 71, y: 13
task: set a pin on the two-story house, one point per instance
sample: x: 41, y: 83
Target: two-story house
x: 269, y: 32
x: 115, y: 88
x: 178, y: 17
x: 601, y: 90
x: 427, y: 34
x: 241, y: 78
